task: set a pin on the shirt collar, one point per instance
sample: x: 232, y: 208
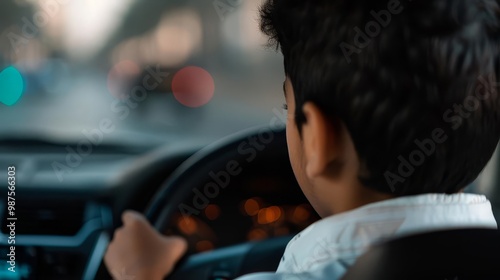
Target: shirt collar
x: 344, y: 237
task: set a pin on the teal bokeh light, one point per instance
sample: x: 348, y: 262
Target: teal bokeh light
x: 11, y: 86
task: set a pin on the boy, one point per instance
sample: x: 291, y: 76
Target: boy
x: 393, y: 111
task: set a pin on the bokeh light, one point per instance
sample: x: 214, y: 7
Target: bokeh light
x: 187, y: 225
x: 269, y: 215
x: 251, y: 207
x: 121, y: 77
x: 301, y: 214
x: 11, y: 86
x: 193, y: 86
x: 212, y: 212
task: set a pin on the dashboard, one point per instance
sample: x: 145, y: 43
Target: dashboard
x: 59, y: 239
x: 64, y: 220
x: 63, y: 226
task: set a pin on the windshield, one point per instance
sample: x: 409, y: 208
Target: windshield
x: 136, y: 72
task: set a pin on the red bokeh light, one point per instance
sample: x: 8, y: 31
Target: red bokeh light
x: 193, y: 86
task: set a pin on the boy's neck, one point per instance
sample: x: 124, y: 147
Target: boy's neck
x: 353, y: 199
x: 343, y: 198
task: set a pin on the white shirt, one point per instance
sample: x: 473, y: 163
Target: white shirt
x: 327, y: 248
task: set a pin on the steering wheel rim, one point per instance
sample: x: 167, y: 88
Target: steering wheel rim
x: 195, y: 171
x: 174, y: 189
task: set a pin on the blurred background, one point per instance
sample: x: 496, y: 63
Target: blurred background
x: 161, y: 71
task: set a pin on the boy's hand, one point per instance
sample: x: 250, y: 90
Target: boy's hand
x: 139, y: 252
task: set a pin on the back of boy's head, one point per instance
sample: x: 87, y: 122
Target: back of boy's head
x: 415, y: 83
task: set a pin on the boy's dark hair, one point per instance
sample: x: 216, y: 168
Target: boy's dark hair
x: 415, y: 82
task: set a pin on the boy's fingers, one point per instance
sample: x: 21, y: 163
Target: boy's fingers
x: 130, y: 217
x: 177, y: 245
x: 175, y: 248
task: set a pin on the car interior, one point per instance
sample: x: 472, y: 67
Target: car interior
x: 90, y: 136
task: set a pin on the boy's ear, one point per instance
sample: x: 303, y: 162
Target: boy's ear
x: 320, y: 141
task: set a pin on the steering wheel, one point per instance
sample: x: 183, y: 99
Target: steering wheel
x: 231, y: 154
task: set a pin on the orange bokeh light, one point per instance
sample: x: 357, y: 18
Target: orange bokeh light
x: 269, y: 215
x: 187, y: 225
x: 251, y: 207
x: 212, y: 212
x: 301, y: 214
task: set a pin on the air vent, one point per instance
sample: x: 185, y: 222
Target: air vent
x: 47, y: 217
